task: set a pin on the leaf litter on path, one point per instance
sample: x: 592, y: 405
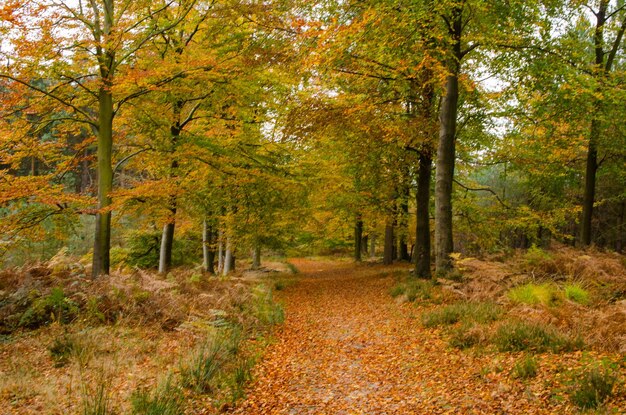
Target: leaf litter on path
x: 347, y: 348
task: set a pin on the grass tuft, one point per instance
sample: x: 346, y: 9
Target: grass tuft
x: 574, y: 292
x: 525, y: 368
x: 533, y: 294
x: 516, y: 336
x: 167, y: 399
x: 468, y: 312
x: 593, y: 387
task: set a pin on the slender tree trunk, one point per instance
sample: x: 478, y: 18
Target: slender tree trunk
x: 167, y: 242
x: 228, y: 257
x: 446, y: 153
x: 102, y: 240
x: 220, y: 251
x: 422, y: 227
x: 256, y: 255
x: 372, y: 245
x: 388, y: 252
x: 358, y: 238
x: 403, y: 222
x: 208, y: 247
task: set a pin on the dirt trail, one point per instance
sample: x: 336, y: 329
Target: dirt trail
x: 347, y: 348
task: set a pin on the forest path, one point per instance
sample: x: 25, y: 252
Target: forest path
x: 347, y: 347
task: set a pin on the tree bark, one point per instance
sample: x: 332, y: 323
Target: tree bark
x: 106, y: 60
x: 256, y: 255
x: 388, y: 252
x: 220, y: 251
x: 422, y: 227
x: 208, y: 248
x: 403, y: 222
x: 372, y: 245
x: 358, y: 238
x: 228, y: 257
x: 102, y: 240
x: 167, y: 242
x: 446, y: 153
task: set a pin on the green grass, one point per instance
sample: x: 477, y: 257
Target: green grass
x: 200, y: 372
x: 576, y: 293
x: 533, y: 294
x: 517, y: 336
x: 465, y: 336
x: 414, y: 289
x: 166, y: 399
x: 593, y: 387
x: 467, y: 312
x: 525, y: 368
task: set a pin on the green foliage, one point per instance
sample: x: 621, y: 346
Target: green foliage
x: 97, y: 401
x: 53, y: 307
x: 525, y: 368
x: 576, y: 293
x: 63, y: 348
x: 593, y: 386
x: 468, y: 312
x: 465, y: 336
x: 292, y: 268
x: 264, y: 308
x: 241, y: 376
x: 535, y: 256
x: 200, y: 372
x: 532, y: 294
x: 517, y: 336
x: 167, y: 399
x: 414, y: 289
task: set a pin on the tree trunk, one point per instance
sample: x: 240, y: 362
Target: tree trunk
x: 256, y: 255
x: 208, y: 248
x: 446, y: 153
x: 220, y: 251
x: 167, y: 242
x: 228, y: 257
x: 403, y: 222
x: 372, y: 245
x: 358, y: 238
x: 422, y: 227
x: 102, y: 239
x: 619, y: 242
x: 388, y: 252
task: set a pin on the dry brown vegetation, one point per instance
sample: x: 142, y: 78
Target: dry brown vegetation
x: 67, y: 339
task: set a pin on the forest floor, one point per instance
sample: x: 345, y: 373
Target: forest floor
x: 348, y: 347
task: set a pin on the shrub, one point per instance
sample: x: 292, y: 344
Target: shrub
x: 468, y: 312
x: 521, y: 336
x: 535, y: 256
x: 576, y: 293
x: 593, y: 387
x: 525, y: 368
x: 397, y: 290
x: 63, y: 348
x: 44, y: 310
x: 165, y: 400
x: 532, y: 294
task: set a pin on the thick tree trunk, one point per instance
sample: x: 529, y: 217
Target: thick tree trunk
x: 389, y: 248
x: 256, y: 256
x: 358, y: 238
x: 102, y: 239
x: 208, y: 248
x: 444, y: 174
x: 167, y: 242
x: 422, y: 227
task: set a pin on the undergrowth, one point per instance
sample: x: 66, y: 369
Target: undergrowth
x: 591, y: 387
x: 467, y: 312
x: 516, y: 336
